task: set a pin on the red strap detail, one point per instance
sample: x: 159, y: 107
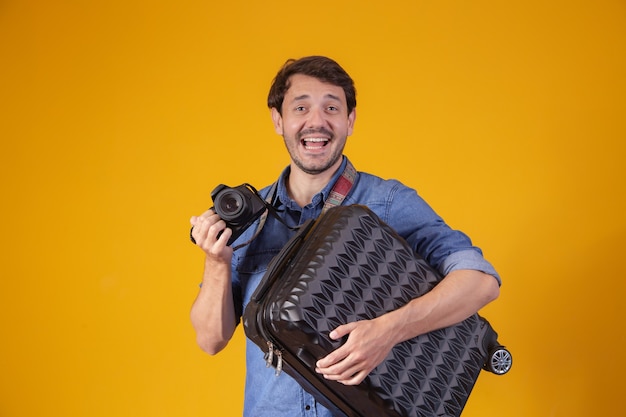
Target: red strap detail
x: 341, y: 188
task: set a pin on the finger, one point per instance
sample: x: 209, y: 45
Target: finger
x: 355, y: 380
x: 341, y: 364
x: 333, y: 357
x: 206, y: 214
x: 206, y: 229
x: 341, y: 371
x: 223, y: 238
x: 342, y: 330
x: 196, y: 220
x: 341, y: 352
x: 199, y: 228
x: 214, y: 228
x: 346, y: 372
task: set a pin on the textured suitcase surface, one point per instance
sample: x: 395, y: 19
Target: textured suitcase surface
x: 348, y: 265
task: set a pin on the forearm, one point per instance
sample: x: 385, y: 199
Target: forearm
x: 213, y: 312
x: 459, y: 295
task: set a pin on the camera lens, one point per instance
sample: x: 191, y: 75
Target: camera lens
x: 239, y: 207
x: 231, y: 206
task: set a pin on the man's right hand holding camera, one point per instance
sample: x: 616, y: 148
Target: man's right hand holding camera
x: 210, y: 233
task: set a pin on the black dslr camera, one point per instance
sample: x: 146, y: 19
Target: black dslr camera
x: 239, y: 207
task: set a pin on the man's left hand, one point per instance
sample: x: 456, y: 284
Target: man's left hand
x: 368, y: 344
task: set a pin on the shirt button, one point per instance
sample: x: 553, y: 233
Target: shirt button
x: 307, y: 408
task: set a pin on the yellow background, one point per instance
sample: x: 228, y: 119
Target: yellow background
x: 117, y: 118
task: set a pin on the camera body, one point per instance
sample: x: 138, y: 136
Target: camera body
x: 238, y: 206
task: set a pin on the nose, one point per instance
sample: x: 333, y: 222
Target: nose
x: 316, y: 118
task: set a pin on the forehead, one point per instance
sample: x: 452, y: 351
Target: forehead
x: 303, y: 86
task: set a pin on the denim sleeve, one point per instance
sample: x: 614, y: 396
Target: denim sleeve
x: 469, y: 259
x: 441, y: 246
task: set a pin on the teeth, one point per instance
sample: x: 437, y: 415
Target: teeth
x: 314, y: 143
x: 308, y: 142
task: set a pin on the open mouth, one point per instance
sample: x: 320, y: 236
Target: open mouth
x: 314, y: 143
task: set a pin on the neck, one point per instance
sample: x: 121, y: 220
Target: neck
x: 302, y: 186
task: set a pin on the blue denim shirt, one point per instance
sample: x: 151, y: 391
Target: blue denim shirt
x: 267, y: 395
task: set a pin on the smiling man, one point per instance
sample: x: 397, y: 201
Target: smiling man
x: 313, y: 106
x: 315, y: 122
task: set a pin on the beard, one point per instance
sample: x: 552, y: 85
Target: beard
x: 318, y: 168
x: 315, y: 165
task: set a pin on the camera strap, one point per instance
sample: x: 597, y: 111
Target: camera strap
x: 341, y: 188
x: 336, y: 196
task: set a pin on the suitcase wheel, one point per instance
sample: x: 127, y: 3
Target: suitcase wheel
x: 499, y: 361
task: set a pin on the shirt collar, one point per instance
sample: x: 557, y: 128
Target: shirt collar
x: 318, y: 199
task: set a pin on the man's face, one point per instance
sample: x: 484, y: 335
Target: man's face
x: 314, y: 124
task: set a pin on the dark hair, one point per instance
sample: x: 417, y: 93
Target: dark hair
x: 320, y: 67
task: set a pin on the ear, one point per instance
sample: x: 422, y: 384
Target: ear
x: 351, y: 120
x: 278, y: 121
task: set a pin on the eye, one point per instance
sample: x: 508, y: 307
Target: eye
x: 300, y: 108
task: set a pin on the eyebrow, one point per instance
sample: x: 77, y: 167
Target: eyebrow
x: 305, y: 96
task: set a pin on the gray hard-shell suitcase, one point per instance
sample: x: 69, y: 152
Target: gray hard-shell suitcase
x: 345, y: 266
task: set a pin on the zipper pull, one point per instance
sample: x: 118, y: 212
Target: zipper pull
x: 270, y: 354
x: 279, y: 365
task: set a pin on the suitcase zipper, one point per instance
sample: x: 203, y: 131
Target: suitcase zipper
x: 269, y: 361
x: 261, y: 296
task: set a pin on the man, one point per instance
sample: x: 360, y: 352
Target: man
x: 312, y: 102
